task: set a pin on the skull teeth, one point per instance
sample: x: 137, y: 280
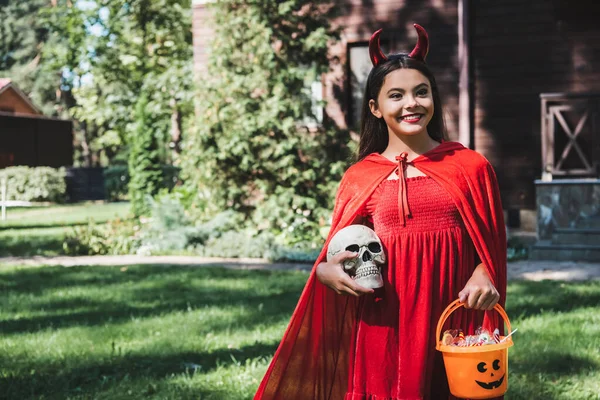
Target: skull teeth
x: 367, y: 271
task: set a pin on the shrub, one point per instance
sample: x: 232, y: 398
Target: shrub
x: 233, y: 244
x: 35, y: 183
x: 258, y: 146
x: 171, y: 230
x: 144, y: 160
x: 116, y: 180
x: 116, y: 237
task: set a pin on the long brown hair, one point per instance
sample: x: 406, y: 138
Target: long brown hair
x: 373, y: 131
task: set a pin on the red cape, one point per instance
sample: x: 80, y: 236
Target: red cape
x: 312, y: 359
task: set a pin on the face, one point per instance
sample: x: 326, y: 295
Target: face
x: 492, y: 374
x: 405, y: 102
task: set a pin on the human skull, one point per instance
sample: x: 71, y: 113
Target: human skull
x: 366, y: 268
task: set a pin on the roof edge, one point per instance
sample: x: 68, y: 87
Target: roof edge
x: 11, y: 85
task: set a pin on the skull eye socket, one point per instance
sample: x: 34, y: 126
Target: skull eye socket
x: 481, y: 367
x: 496, y: 364
x: 353, y: 248
x: 374, y: 247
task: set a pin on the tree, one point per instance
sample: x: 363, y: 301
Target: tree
x: 253, y: 150
x: 91, y: 60
x: 144, y: 161
x: 22, y: 41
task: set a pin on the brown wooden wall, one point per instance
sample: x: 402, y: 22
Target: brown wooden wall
x: 521, y: 49
x: 360, y: 18
x: 11, y: 101
x: 35, y: 141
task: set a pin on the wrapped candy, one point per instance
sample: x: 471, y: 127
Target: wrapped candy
x: 482, y: 337
x: 497, y: 335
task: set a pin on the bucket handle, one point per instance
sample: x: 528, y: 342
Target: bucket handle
x: 455, y: 305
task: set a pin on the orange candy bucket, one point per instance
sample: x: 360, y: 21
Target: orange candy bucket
x: 478, y: 372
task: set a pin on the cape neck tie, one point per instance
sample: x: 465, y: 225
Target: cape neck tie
x: 403, y: 210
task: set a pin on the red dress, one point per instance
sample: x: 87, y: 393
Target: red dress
x: 429, y: 262
x: 319, y: 347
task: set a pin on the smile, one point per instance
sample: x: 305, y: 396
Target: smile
x: 491, y: 385
x: 412, y: 118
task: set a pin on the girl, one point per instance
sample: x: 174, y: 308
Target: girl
x: 436, y: 208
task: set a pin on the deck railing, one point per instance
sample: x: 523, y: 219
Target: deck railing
x: 570, y: 134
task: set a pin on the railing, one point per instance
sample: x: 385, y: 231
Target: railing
x: 9, y: 203
x: 570, y: 134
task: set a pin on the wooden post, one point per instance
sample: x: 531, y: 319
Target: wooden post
x: 464, y: 78
x: 3, y: 199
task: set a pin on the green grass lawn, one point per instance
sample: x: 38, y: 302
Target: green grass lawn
x: 40, y: 230
x: 173, y: 332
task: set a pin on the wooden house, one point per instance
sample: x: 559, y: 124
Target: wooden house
x: 29, y: 138
x: 520, y: 82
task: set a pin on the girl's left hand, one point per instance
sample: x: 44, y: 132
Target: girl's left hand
x: 479, y: 293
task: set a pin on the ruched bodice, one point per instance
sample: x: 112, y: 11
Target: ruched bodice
x: 431, y: 208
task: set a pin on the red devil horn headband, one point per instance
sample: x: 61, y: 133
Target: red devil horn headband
x: 422, y: 48
x: 419, y: 52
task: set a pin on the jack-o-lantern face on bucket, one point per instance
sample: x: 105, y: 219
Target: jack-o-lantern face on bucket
x: 493, y: 374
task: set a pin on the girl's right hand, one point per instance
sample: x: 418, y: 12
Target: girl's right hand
x: 332, y: 275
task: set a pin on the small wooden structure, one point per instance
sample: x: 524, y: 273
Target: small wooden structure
x: 568, y: 195
x: 14, y: 101
x: 29, y: 138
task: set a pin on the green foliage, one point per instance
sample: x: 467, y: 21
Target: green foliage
x: 116, y: 180
x: 144, y: 48
x: 144, y: 162
x: 91, y: 60
x: 116, y: 237
x: 18, y: 40
x: 23, y: 37
x: 257, y: 147
x: 169, y: 229
x: 239, y: 244
x: 35, y: 183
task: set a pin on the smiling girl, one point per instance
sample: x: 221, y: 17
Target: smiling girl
x: 436, y: 208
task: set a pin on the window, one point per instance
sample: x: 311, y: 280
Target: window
x: 314, y: 87
x: 360, y: 66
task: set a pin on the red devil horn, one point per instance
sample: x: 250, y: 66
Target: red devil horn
x: 377, y: 57
x: 422, y: 48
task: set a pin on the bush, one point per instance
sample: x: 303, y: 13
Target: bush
x: 233, y: 244
x: 35, y: 183
x: 171, y: 230
x: 258, y: 146
x: 116, y: 237
x: 116, y: 180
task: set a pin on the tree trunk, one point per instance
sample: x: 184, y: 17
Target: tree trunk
x: 175, y: 127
